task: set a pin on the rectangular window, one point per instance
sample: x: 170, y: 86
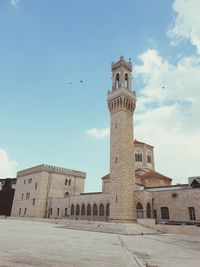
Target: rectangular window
x: 20, y: 211
x: 65, y: 211
x: 24, y: 181
x: 25, y: 211
x: 192, y: 213
x: 51, y: 211
x: 165, y: 213
x: 29, y: 180
x: 35, y: 186
x: 27, y: 195
x: 33, y: 201
x: 22, y: 195
x: 58, y: 210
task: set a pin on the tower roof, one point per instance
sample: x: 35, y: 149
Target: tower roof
x: 122, y: 63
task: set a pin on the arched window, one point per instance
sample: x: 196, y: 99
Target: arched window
x: 149, y: 157
x: 95, y: 211
x: 77, y: 209
x: 101, y: 210
x: 117, y: 81
x: 165, y: 213
x: 139, y: 210
x: 66, y: 194
x: 72, y: 209
x: 126, y: 81
x: 107, y: 209
x: 83, y: 210
x: 69, y: 182
x: 88, y: 210
x: 148, y: 210
x: 66, y: 181
x: 138, y: 156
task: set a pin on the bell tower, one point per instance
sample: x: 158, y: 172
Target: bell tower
x: 121, y: 103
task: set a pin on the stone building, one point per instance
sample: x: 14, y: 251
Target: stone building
x: 132, y: 189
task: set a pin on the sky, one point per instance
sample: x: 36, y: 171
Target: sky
x: 48, y: 116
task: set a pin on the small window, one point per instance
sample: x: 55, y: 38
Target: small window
x: 72, y: 209
x: 165, y: 213
x: 138, y: 156
x: 126, y: 80
x: 66, y: 181
x: 65, y: 211
x: 33, y: 201
x: 148, y: 158
x: 116, y: 160
x: 117, y: 81
x: 35, y: 186
x: 20, y: 211
x: 24, y: 181
x: 27, y: 195
x: 22, y: 195
x: 29, y: 180
x: 69, y: 182
x: 66, y: 194
x: 58, y: 211
x: 51, y: 211
x: 25, y: 211
x: 192, y: 213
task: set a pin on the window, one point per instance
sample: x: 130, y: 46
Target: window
x: 149, y: 158
x: 25, y: 211
x: 69, y: 182
x: 66, y: 194
x: 29, y: 180
x: 20, y: 211
x: 83, y: 210
x: 77, y: 209
x: 101, y: 210
x: 192, y: 213
x: 138, y: 156
x: 65, y: 211
x: 22, y: 195
x: 148, y: 210
x: 35, y: 186
x: 33, y: 201
x: 107, y: 209
x: 27, y: 195
x: 24, y: 181
x: 116, y: 160
x: 117, y: 81
x: 95, y: 211
x: 126, y: 80
x: 165, y: 213
x: 88, y: 210
x: 66, y: 181
x: 72, y: 209
x: 51, y: 211
x: 58, y: 211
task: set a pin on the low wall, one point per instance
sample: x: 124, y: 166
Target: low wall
x: 171, y: 229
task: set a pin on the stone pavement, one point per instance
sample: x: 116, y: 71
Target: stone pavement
x: 30, y: 243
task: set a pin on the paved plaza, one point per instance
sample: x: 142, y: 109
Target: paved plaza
x: 31, y: 243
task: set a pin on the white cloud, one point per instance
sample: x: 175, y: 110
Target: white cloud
x: 169, y: 117
x: 186, y: 23
x: 98, y: 133
x: 7, y: 166
x: 14, y: 2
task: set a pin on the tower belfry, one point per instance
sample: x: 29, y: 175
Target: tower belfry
x: 121, y: 104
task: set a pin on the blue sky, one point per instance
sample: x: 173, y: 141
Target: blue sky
x: 46, y: 45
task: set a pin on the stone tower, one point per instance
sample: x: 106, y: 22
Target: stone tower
x: 121, y: 104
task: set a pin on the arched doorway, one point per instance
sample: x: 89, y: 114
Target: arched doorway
x: 139, y: 211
